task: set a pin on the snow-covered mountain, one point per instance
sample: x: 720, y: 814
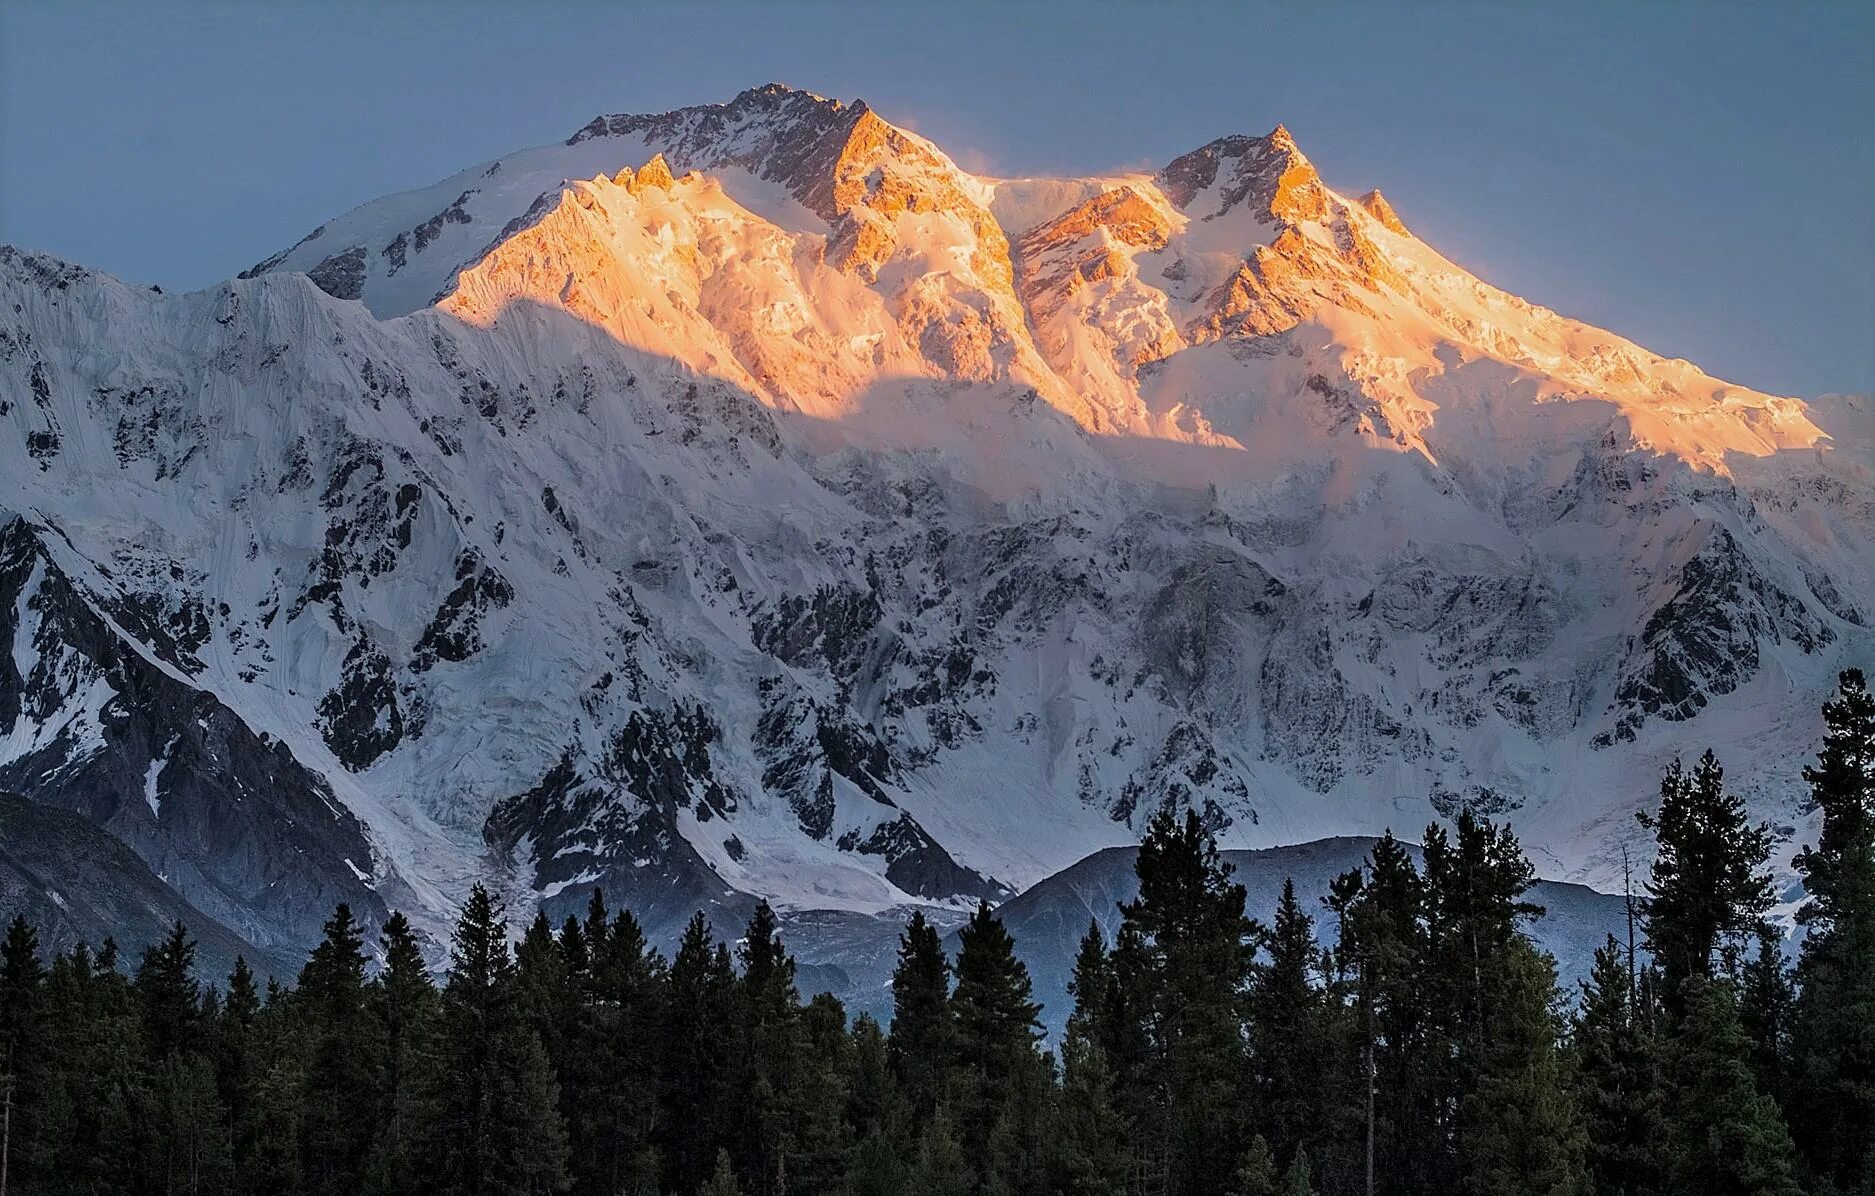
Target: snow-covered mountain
x: 746, y: 500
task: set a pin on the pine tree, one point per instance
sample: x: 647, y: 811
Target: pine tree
x: 168, y: 993
x: 616, y: 1071
x: 268, y: 1148
x: 769, y: 1053
x: 1765, y: 1000
x: 817, y: 1104
x: 1520, y: 1133
x: 1288, y: 1033
x: 1709, y: 891
x: 341, y: 1083
x: 404, y: 1003
x: 1186, y: 961
x: 1832, y: 1050
x: 722, y: 1181
x: 1473, y: 899
x: 699, y: 1091
x: 24, y: 1060
x: 1723, y: 1137
x: 1089, y: 1152
x: 920, y: 1042
x: 1617, y: 1081
x: 1091, y: 984
x: 1382, y: 948
x: 994, y: 1031
x: 1256, y: 1174
x: 495, y: 1125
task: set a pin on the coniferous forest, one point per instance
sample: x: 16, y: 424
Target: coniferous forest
x: 1428, y: 1049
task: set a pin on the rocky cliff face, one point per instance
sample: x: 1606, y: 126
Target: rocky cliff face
x: 746, y: 500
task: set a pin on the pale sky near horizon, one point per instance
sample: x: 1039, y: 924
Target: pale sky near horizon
x: 1700, y: 178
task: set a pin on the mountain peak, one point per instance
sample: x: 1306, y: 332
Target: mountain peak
x: 654, y: 173
x: 1375, y: 204
x: 778, y: 90
x: 1269, y: 172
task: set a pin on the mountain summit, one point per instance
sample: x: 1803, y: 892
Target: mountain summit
x: 745, y: 500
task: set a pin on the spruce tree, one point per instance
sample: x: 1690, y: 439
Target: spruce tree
x: 1520, y: 1135
x: 1765, y: 999
x: 494, y: 1121
x: 994, y: 1031
x: 339, y: 1110
x: 168, y: 994
x: 404, y: 1002
x: 699, y: 1088
x: 1381, y: 945
x: 1832, y: 1047
x: 1288, y: 1033
x: 24, y: 1059
x: 920, y: 1042
x: 1723, y: 1137
x: 1187, y: 960
x: 1616, y: 1079
x: 1709, y: 890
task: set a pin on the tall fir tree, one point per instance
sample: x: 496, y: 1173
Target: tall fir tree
x: 1520, y: 1134
x: 700, y: 1056
x: 1709, y: 890
x: 1289, y: 1039
x: 921, y: 1032
x: 1474, y: 883
x: 1832, y: 1041
x: 168, y: 993
x: 24, y: 1060
x: 1616, y: 1078
x: 769, y: 1055
x: 1185, y: 953
x: 1381, y: 948
x: 340, y: 1106
x: 404, y: 1003
x: 494, y: 1119
x: 1722, y: 1136
x: 995, y: 1028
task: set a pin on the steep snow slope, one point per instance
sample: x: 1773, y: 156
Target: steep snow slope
x: 746, y: 500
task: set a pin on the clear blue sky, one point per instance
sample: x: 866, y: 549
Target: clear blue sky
x: 1699, y: 178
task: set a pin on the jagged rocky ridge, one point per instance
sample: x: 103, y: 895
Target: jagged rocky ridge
x: 746, y: 500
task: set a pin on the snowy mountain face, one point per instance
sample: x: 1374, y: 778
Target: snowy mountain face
x: 745, y: 500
